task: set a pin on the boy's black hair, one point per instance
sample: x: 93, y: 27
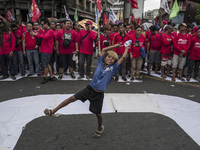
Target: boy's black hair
x: 13, y: 26
x: 138, y: 27
x: 122, y: 24
x: 189, y: 26
x: 153, y: 28
x: 30, y: 22
x: 46, y: 21
x: 114, y: 25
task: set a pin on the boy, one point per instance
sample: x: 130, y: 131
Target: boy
x: 107, y: 66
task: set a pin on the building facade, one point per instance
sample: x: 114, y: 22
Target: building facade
x: 151, y: 14
x: 52, y: 8
x: 118, y: 8
x: 187, y: 12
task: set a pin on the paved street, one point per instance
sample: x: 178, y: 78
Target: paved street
x: 140, y: 131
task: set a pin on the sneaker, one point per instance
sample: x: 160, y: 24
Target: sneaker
x: 132, y: 79
x: 60, y: 76
x: 72, y: 75
x: 88, y: 77
x: 80, y: 77
x: 29, y: 75
x: 22, y: 74
x: 5, y: 77
x: 124, y: 78
x: 39, y: 75
x: 13, y: 77
x: 45, y: 80
x: 52, y: 79
x: 116, y: 79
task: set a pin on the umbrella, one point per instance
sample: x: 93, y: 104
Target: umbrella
x: 52, y: 19
x: 82, y: 23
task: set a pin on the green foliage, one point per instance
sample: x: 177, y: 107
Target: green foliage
x: 197, y: 16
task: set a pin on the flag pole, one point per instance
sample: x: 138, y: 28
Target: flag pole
x: 98, y: 30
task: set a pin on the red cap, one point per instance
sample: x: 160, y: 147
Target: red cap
x: 89, y: 22
x: 165, y: 22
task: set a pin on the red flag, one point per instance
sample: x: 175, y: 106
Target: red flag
x: 139, y: 21
x: 36, y: 11
x: 99, y: 7
x: 134, y: 4
x: 9, y: 15
x: 133, y: 18
x: 105, y: 20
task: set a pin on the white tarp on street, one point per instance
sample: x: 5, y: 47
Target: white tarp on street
x: 16, y: 113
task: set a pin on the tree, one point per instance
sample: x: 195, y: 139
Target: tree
x: 197, y: 16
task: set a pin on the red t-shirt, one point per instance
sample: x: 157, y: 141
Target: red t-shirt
x: 47, y: 42
x: 71, y: 48
x: 30, y: 41
x: 131, y: 32
x: 104, y: 39
x: 166, y: 46
x: 112, y: 36
x: 155, y: 41
x: 148, y: 33
x: 136, y: 50
x: 79, y: 37
x: 8, y: 43
x: 181, y: 42
x: 195, y: 48
x: 18, y: 35
x: 86, y: 46
x: 119, y: 39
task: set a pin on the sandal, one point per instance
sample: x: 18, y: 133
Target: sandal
x: 98, y: 133
x: 48, y: 112
x: 181, y: 78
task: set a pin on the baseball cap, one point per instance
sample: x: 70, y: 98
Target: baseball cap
x: 182, y: 24
x: 89, y: 22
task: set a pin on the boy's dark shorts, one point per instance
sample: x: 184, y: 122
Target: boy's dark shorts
x: 45, y: 59
x: 65, y: 60
x: 95, y: 98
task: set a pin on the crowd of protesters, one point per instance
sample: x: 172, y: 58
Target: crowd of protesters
x: 38, y: 46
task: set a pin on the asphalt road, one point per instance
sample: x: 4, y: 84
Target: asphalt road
x: 137, y: 131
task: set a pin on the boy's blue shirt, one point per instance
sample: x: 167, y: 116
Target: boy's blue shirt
x: 103, y: 76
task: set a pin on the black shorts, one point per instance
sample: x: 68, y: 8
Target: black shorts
x: 95, y: 98
x: 65, y: 60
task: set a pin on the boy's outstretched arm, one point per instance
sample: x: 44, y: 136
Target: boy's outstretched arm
x: 109, y: 48
x: 123, y: 56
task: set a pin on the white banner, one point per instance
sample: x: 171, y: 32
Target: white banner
x: 164, y: 5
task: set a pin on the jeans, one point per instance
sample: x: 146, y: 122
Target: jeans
x: 195, y: 64
x: 6, y: 61
x: 18, y: 57
x: 122, y: 68
x: 82, y: 58
x: 33, y: 55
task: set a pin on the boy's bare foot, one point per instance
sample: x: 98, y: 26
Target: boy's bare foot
x: 99, y: 132
x: 48, y: 112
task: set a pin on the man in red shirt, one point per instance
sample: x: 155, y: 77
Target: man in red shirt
x: 105, y: 40
x: 7, y: 47
x: 86, y: 49
x: 114, y: 31
x: 29, y: 50
x: 121, y: 37
x: 194, y: 57
x: 138, y: 41
x: 166, y: 51
x: 18, y: 53
x: 65, y: 52
x: 153, y: 49
x: 181, y: 44
x: 46, y: 50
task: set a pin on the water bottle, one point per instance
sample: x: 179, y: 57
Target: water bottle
x: 127, y: 43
